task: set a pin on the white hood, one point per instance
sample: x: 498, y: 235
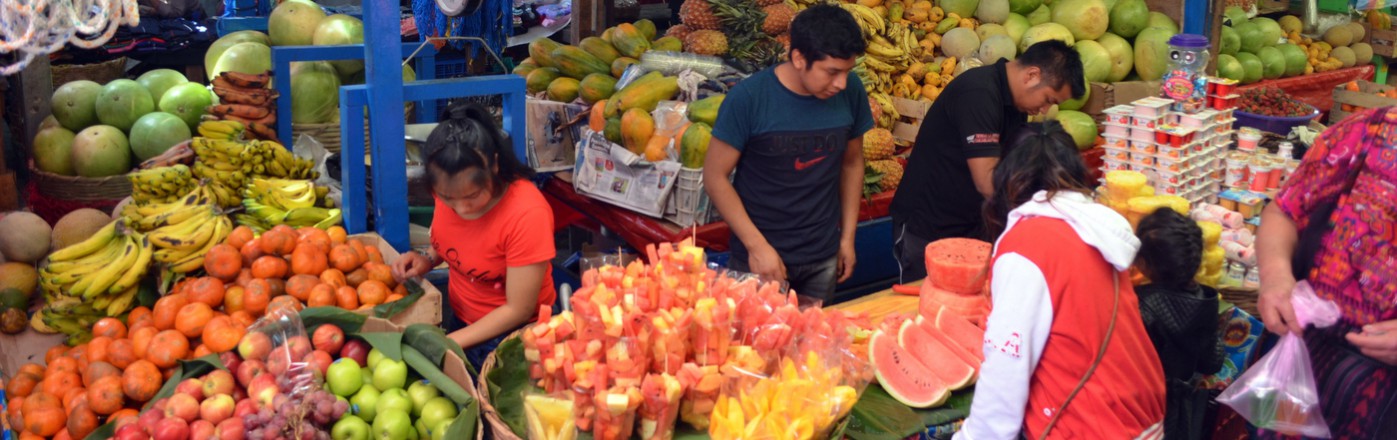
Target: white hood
x: 1098, y: 226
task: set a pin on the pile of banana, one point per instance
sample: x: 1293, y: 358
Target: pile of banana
x: 229, y: 163
x: 245, y: 98
x: 92, y: 279
x: 271, y: 202
x: 161, y: 184
x: 184, y: 230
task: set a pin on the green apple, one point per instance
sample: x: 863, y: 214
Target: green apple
x: 344, y: 377
x: 367, y: 374
x: 365, y: 402
x: 374, y: 357
x: 390, y: 374
x: 393, y: 425
x: 391, y: 399
x: 421, y: 391
x: 437, y: 410
x: 350, y: 428
x: 439, y: 431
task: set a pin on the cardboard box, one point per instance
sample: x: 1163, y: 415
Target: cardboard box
x: 427, y: 309
x: 452, y: 365
x: 1107, y: 95
x: 913, y: 112
x: 1365, y: 97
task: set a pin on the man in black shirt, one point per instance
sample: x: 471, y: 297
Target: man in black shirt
x: 961, y: 140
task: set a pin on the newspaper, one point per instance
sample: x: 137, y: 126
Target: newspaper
x: 608, y: 172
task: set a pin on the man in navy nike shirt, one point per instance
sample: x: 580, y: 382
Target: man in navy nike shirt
x: 794, y: 133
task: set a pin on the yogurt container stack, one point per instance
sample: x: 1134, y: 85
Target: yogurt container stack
x: 1182, y: 154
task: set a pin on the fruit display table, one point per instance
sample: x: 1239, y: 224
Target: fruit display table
x: 1317, y: 89
x: 881, y: 303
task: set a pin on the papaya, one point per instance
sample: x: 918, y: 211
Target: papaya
x: 706, y: 110
x: 613, y: 107
x: 655, y: 148
x: 636, y: 129
x: 644, y: 93
x: 600, y: 48
x: 667, y: 43
x: 540, y: 78
x: 541, y: 51
x: 646, y: 27
x: 524, y: 67
x: 597, y: 87
x: 606, y: 34
x: 596, y: 120
x: 693, y: 145
x: 629, y: 40
x: 619, y: 66
x: 563, y: 89
x: 574, y: 62
x: 612, y: 131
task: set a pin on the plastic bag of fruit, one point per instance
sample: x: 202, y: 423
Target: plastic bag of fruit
x: 281, y: 342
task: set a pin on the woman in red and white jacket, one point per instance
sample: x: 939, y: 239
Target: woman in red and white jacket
x: 1066, y: 354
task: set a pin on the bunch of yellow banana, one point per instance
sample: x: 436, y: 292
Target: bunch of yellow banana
x: 870, y: 20
x: 96, y: 277
x: 146, y: 217
x: 221, y: 129
x: 161, y: 184
x: 890, y: 114
x: 229, y: 163
x: 181, y: 245
x: 271, y: 202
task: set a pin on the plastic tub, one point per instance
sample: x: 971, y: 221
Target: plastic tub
x: 1146, y: 121
x: 1247, y: 140
x: 1115, y: 165
x: 1169, y: 164
x: 1118, y: 142
x: 1142, y: 147
x: 1120, y: 154
x: 1150, y: 107
x: 1200, y: 120
x: 1275, y: 124
x: 1111, y: 129
x: 1171, y: 152
x: 1142, y: 134
x: 1143, y: 160
x: 1119, y: 115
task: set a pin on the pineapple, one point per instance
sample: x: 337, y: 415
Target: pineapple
x: 706, y: 42
x: 891, y: 171
x: 678, y: 31
x: 698, y: 14
x: 785, y: 40
x: 877, y: 144
x: 778, y: 18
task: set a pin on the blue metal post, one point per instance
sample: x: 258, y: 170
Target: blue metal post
x: 1196, y: 17
x: 354, y: 195
x: 283, y: 56
x: 384, y: 77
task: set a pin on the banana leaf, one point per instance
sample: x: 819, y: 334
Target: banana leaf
x: 389, y: 310
x: 877, y: 416
x: 186, y: 369
x: 433, y: 343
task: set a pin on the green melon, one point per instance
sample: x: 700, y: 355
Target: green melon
x: 1087, y: 19
x: 985, y: 31
x: 1362, y: 53
x: 1271, y: 32
x: 1272, y: 62
x: 1039, y: 16
x: 1024, y: 7
x: 1251, y: 67
x: 1122, y: 56
x: 1077, y: 104
x: 1295, y: 59
x: 1129, y: 17
x: 1230, y: 68
x: 1015, y: 26
x: 997, y: 47
x: 1291, y: 23
x: 1158, y: 19
x: 1152, y: 52
x: 1251, y: 36
x: 960, y: 43
x: 963, y: 8
x: 1229, y: 42
x: 1080, y: 125
x: 1234, y: 14
x: 992, y: 11
x: 1096, y: 61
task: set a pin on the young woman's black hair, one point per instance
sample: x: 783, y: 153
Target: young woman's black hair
x: 468, y: 140
x: 1044, y: 158
x: 1171, y: 249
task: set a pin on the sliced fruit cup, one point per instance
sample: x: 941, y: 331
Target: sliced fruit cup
x: 1221, y: 86
x: 549, y: 416
x: 1224, y: 102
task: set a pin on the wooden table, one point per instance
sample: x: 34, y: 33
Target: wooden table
x: 880, y: 304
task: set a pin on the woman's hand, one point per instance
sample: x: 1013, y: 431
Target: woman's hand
x: 1275, y: 307
x: 411, y: 265
x: 1377, y: 341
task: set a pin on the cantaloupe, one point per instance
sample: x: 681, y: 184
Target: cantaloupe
x: 24, y: 237
x: 76, y: 226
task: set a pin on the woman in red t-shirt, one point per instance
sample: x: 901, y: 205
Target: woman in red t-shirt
x: 491, y: 226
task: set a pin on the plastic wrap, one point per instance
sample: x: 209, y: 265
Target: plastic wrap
x: 672, y: 63
x: 280, y: 340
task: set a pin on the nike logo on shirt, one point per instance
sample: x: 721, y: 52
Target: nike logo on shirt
x: 802, y: 165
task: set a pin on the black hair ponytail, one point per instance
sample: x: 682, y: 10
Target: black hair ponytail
x: 471, y: 139
x: 1043, y: 158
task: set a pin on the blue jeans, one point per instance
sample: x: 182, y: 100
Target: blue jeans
x: 475, y: 355
x: 815, y: 280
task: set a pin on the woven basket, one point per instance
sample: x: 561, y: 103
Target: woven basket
x: 74, y: 188
x: 1244, y: 299
x: 329, y: 134
x: 100, y: 73
x: 488, y: 413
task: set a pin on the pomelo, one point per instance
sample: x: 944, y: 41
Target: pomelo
x: 315, y: 93
x: 963, y: 8
x: 53, y: 150
x: 1045, y: 32
x: 1251, y: 67
x: 997, y: 47
x: 1129, y: 17
x: 24, y: 237
x: 1229, y: 42
x: 340, y: 29
x: 1087, y: 19
x: 101, y: 151
x: 1158, y: 19
x: 1016, y: 25
x: 1271, y: 32
x: 1152, y: 52
x: 1295, y: 59
x: 49, y: 121
x: 188, y: 101
x: 76, y: 226
x: 1080, y: 125
x: 1122, y: 56
x: 1096, y: 61
x: 156, y: 132
x: 122, y: 102
x: 992, y: 11
x: 74, y: 104
x: 1230, y: 68
x: 1039, y: 16
x: 985, y: 31
x: 1291, y: 23
x: 1077, y: 104
x: 1024, y: 7
x: 1234, y: 14
x: 223, y: 43
x: 160, y: 80
x: 293, y: 23
x: 251, y: 58
x: 960, y: 42
x: 1250, y: 35
x: 1272, y: 62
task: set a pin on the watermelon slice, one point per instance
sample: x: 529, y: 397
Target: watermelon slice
x: 947, y: 362
x: 902, y: 375
x: 958, y: 264
x: 961, y: 331
x: 971, y: 352
x: 972, y: 307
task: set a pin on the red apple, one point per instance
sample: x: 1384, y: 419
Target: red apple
x: 280, y: 359
x: 160, y: 404
x: 328, y: 338
x: 172, y: 428
x: 319, y: 361
x: 299, y: 346
x: 356, y: 349
x: 149, y: 419
x: 231, y: 429
x: 218, y: 382
x: 182, y: 406
x: 131, y: 432
x: 263, y: 389
x: 255, y: 346
x: 201, y: 430
x: 244, y: 407
x: 217, y: 408
x: 191, y: 386
x: 229, y: 358
x: 239, y: 393
x: 250, y: 370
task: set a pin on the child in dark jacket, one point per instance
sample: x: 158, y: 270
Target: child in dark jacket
x: 1180, y: 316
